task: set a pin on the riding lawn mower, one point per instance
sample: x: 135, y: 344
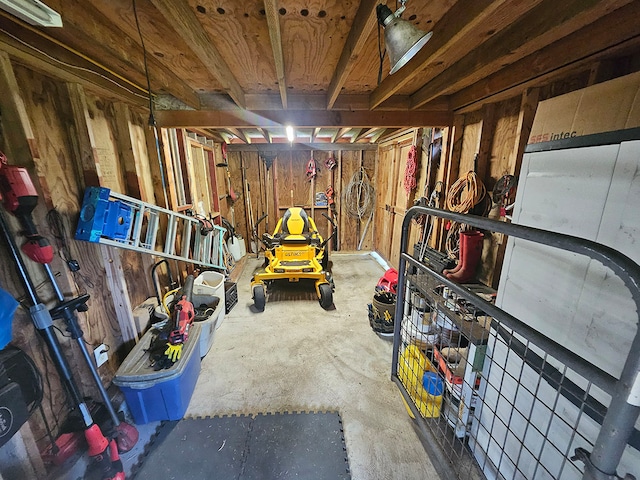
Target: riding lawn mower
x: 294, y: 251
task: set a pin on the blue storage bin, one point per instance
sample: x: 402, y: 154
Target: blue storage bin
x: 163, y: 395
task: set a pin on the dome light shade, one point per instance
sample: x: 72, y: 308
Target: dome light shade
x: 402, y: 39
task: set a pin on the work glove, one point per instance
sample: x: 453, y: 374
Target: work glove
x: 173, y: 352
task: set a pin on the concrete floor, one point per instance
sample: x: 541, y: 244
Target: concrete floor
x: 295, y: 356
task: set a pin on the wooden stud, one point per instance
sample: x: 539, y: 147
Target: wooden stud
x: 120, y: 294
x: 187, y: 26
x: 486, y: 139
x: 22, y: 149
x: 125, y: 149
x: 528, y: 107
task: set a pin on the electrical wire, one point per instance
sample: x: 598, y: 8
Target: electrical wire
x: 57, y: 227
x: 152, y: 118
x: 77, y: 67
x: 381, y: 53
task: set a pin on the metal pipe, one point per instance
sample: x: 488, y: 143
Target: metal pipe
x: 622, y: 414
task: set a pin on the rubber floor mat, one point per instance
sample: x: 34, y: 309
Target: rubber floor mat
x: 265, y: 446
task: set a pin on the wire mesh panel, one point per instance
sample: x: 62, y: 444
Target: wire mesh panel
x: 497, y: 405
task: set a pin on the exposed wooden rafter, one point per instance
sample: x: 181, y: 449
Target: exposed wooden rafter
x: 240, y: 134
x: 363, y: 23
x: 522, y: 37
x: 462, y: 18
x: 273, y: 21
x: 185, y: 23
x: 573, y: 52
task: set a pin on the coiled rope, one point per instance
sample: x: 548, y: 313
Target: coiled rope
x: 464, y: 194
x: 359, y: 195
x: 410, y: 170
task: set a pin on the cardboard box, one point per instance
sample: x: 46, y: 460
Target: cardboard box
x: 605, y: 107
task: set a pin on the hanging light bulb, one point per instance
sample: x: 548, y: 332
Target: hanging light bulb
x: 291, y: 135
x: 402, y: 39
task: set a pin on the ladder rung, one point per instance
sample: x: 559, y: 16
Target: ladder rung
x: 132, y: 219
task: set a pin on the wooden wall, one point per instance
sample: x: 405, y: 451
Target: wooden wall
x: 489, y: 140
x: 69, y: 138
x: 285, y: 184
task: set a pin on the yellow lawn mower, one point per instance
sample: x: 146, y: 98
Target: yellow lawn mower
x: 294, y: 251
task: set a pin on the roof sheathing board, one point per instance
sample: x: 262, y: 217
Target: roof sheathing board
x: 364, y: 76
x: 313, y: 35
x: 240, y: 33
x: 160, y: 40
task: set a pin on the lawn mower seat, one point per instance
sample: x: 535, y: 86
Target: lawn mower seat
x: 295, y: 227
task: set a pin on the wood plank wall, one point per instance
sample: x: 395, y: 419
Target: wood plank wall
x: 489, y: 140
x: 76, y: 139
x: 285, y: 184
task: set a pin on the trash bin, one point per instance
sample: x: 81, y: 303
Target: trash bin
x: 159, y: 395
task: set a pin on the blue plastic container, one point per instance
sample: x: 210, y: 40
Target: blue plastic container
x: 163, y: 395
x: 8, y: 307
x: 433, y: 384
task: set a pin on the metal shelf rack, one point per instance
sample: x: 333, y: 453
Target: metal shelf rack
x: 514, y: 403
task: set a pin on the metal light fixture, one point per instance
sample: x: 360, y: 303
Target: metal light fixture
x: 402, y: 39
x: 32, y: 11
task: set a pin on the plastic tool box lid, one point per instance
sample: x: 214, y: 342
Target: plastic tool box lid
x: 136, y: 372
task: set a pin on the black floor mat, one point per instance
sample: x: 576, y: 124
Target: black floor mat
x: 266, y: 446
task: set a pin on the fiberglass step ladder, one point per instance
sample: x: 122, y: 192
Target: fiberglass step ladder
x: 110, y: 218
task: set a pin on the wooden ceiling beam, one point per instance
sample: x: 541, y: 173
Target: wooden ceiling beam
x: 339, y: 134
x: 400, y: 103
x: 287, y: 147
x: 264, y: 134
x: 376, y: 136
x: 363, y: 133
x: 364, y: 21
x: 238, y: 132
x: 273, y: 22
x: 460, y: 19
x: 210, y: 134
x: 300, y: 119
x: 185, y: 23
x: 355, y: 134
x: 616, y: 33
x: 544, y: 24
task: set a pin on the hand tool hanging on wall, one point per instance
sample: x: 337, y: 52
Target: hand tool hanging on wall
x: 253, y: 246
x: 312, y: 170
x: 20, y: 198
x: 231, y: 194
x: 268, y: 159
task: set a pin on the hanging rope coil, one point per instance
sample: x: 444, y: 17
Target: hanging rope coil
x: 359, y: 195
x: 410, y: 170
x: 465, y: 193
